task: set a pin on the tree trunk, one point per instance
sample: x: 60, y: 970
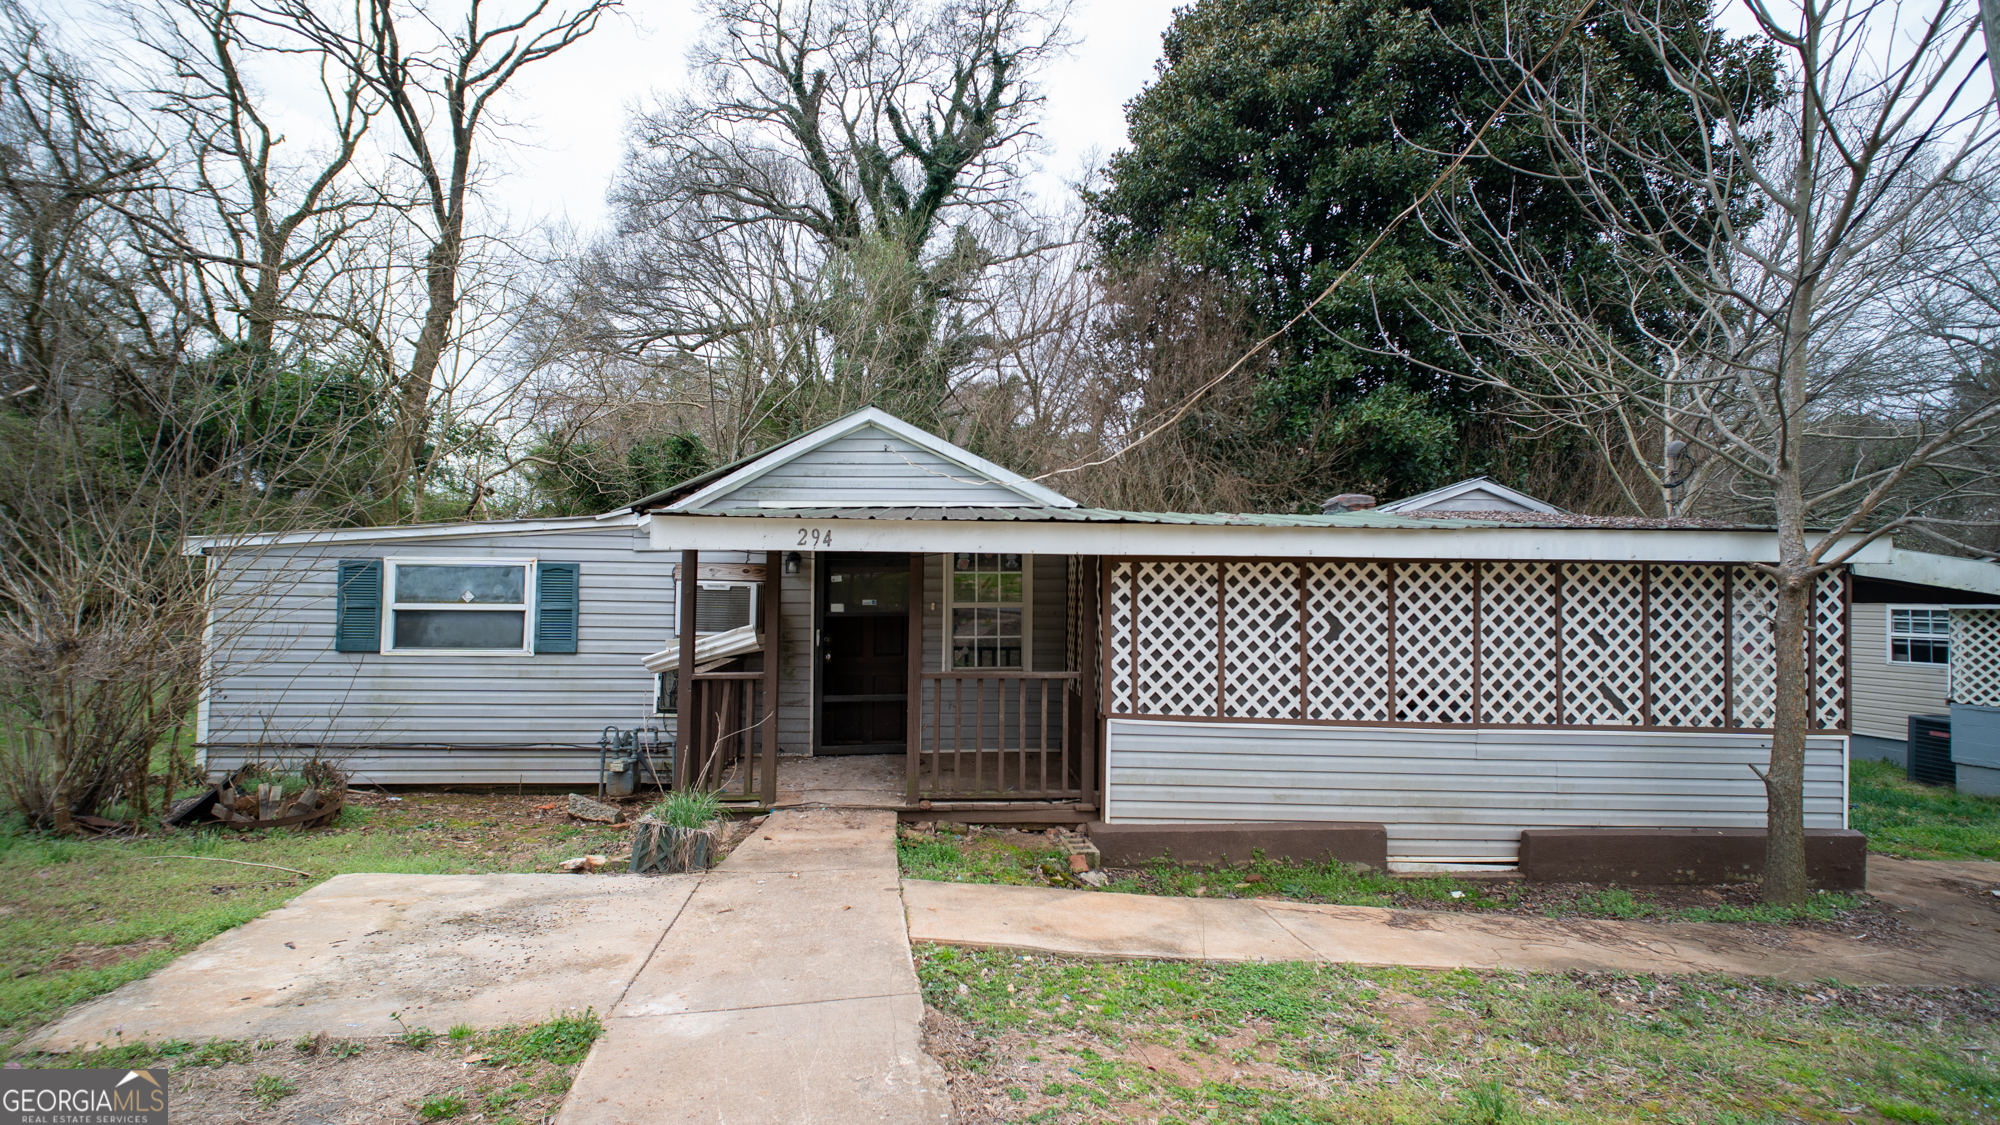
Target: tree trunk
x: 1784, y: 784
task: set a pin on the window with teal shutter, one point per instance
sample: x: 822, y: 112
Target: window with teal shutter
x: 357, y: 606
x: 555, y: 607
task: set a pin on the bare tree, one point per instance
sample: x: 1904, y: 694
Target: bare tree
x: 829, y: 222
x: 123, y: 429
x: 1760, y: 260
x: 438, y: 78
x: 270, y: 227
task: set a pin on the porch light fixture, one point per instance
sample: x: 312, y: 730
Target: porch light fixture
x: 791, y: 562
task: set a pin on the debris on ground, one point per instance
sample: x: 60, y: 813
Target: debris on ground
x: 597, y: 812
x: 584, y: 864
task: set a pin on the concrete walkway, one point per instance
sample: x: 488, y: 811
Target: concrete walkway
x: 784, y: 993
x: 1954, y: 938
x: 485, y: 950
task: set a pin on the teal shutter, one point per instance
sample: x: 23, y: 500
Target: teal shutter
x: 357, y: 606
x: 555, y: 607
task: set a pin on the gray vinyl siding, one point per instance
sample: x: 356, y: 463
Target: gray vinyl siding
x: 1885, y: 694
x: 795, y: 658
x: 1454, y: 794
x: 869, y: 466
x: 278, y: 688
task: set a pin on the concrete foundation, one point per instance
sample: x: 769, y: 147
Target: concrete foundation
x: 1311, y: 841
x: 1980, y: 781
x: 1836, y: 858
x: 1867, y: 747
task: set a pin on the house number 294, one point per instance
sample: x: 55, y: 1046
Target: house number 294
x: 815, y: 538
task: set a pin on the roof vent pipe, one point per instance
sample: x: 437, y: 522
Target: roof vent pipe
x: 1347, y: 502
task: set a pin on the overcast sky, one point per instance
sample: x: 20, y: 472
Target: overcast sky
x: 573, y: 108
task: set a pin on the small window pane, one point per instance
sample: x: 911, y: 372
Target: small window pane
x: 444, y: 628
x: 964, y: 587
x: 500, y: 585
x: 1007, y: 622
x: 1010, y: 562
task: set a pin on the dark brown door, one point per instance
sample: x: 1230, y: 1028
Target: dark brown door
x: 864, y: 655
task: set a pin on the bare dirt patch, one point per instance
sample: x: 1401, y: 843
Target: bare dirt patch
x: 89, y: 956
x: 354, y: 1081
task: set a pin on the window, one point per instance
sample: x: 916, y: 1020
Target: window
x: 989, y: 611
x: 454, y: 606
x: 1919, y: 635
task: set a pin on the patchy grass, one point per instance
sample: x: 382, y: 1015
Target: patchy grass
x: 510, y: 1075
x: 1920, y: 821
x: 78, y: 918
x: 1045, y: 1039
x: 985, y: 856
x: 1000, y: 856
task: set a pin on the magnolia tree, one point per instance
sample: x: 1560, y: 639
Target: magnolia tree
x: 1760, y: 337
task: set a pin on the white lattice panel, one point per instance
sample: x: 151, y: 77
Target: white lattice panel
x: 1347, y: 642
x: 1517, y: 643
x: 1975, y: 657
x: 1688, y: 630
x: 1604, y: 644
x: 1260, y: 615
x: 1753, y: 651
x: 1178, y: 639
x: 1118, y: 641
x: 1434, y: 643
x: 1828, y: 622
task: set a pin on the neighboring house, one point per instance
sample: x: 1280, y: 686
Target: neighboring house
x: 1975, y: 698
x: 1480, y: 494
x: 1452, y: 680
x: 1903, y: 646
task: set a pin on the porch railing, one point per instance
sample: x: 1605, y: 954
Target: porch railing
x: 990, y: 734
x: 725, y: 720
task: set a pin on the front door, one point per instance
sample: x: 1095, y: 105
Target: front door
x: 864, y: 625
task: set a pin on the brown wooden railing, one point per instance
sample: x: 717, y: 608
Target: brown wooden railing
x: 988, y: 734
x: 725, y: 720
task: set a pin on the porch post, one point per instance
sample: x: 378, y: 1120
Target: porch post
x: 913, y: 707
x: 1086, y: 660
x: 774, y: 570
x: 687, y: 724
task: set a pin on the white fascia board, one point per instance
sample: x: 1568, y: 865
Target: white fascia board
x: 1923, y: 568
x: 1052, y: 537
x: 201, y: 544
x: 882, y: 419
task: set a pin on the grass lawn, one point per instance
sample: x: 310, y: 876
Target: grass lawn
x: 1920, y: 821
x: 1042, y: 1039
x: 1017, y: 858
x: 79, y: 918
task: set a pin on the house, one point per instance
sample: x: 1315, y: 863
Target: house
x: 1904, y: 643
x: 1480, y: 494
x: 1444, y: 683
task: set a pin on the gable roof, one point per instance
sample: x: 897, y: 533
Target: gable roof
x: 902, y: 475
x: 1479, y: 494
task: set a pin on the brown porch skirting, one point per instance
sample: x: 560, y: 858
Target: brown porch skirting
x: 1836, y: 858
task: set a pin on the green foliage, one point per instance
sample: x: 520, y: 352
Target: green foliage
x: 1920, y: 821
x: 415, y: 1038
x: 561, y: 1040
x: 689, y: 808
x: 588, y: 476
x: 442, y: 1107
x: 272, y: 1088
x: 1282, y: 136
x: 461, y: 1032
x: 980, y: 860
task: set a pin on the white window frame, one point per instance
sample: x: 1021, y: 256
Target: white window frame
x: 1890, y: 636
x: 1027, y: 614
x: 390, y: 605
